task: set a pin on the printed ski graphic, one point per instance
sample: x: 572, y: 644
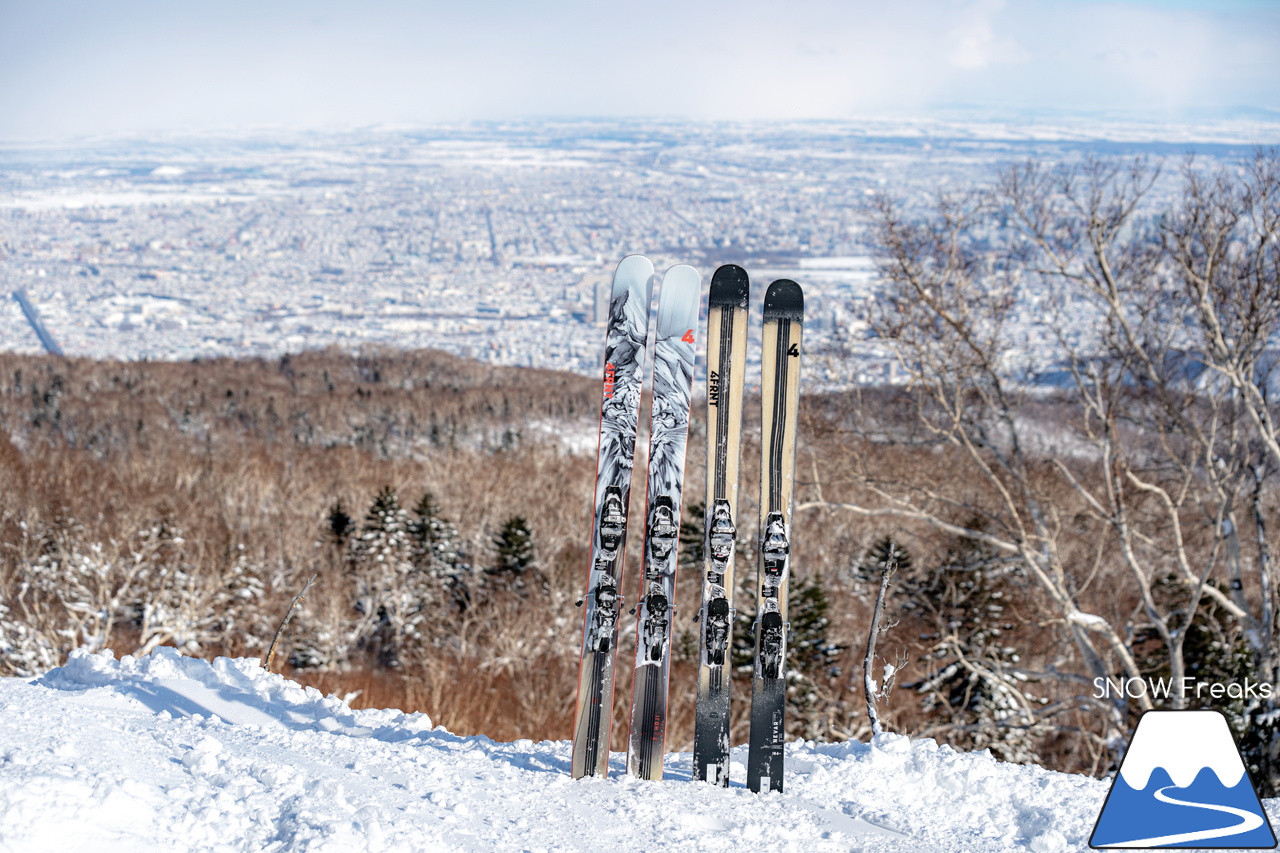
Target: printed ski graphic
x: 619, y: 411
x: 672, y: 389
x: 727, y: 304
x: 779, y: 402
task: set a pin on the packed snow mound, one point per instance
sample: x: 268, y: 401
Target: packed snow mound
x: 236, y: 691
x: 172, y: 753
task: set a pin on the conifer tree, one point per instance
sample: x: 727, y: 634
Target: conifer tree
x: 811, y: 659
x: 886, y: 552
x: 811, y: 654
x: 340, y: 525
x: 1216, y: 652
x: 438, y: 551
x: 812, y: 651
x: 513, y: 552
x: 392, y: 592
x: 974, y: 683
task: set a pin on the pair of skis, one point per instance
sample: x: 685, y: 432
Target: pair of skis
x: 779, y: 397
x: 677, y: 321
x: 728, y: 303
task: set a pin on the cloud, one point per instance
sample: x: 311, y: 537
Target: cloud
x: 82, y: 67
x: 976, y: 43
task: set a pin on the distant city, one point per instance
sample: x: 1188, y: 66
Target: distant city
x: 489, y: 241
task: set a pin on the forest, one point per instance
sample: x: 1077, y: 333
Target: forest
x: 1031, y: 536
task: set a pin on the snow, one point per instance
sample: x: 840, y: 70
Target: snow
x: 1087, y: 620
x: 167, y: 752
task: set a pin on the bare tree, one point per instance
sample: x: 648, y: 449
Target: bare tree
x: 1122, y: 489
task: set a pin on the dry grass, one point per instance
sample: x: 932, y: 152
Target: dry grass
x: 245, y: 458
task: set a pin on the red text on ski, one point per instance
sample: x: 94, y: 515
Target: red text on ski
x: 610, y: 375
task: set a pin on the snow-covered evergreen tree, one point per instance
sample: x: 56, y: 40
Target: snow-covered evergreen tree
x: 438, y: 550
x: 975, y: 685
x: 392, y: 589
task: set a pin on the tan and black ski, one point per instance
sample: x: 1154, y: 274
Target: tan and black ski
x: 779, y: 401
x: 727, y: 304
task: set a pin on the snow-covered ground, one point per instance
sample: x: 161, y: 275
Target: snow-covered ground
x: 177, y: 754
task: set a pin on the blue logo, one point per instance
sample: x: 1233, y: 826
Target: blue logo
x: 1183, y: 784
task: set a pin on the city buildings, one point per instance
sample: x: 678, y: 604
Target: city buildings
x: 489, y: 241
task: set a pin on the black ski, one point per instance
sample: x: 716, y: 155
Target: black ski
x: 727, y: 305
x: 779, y: 401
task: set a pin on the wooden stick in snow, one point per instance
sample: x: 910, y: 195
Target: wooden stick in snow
x: 868, y: 663
x: 271, y: 653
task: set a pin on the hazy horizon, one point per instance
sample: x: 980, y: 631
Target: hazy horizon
x: 75, y: 68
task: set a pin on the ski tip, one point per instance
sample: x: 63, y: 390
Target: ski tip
x: 678, y: 303
x: 784, y: 300
x: 730, y: 286
x: 634, y: 273
x: 682, y: 277
x: 637, y: 261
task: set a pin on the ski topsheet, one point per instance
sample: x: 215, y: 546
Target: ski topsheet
x: 623, y: 368
x: 672, y: 387
x: 779, y: 399
x: 727, y: 305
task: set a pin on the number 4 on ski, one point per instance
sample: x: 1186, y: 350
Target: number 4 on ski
x: 779, y: 402
x: 672, y: 386
x: 619, y: 411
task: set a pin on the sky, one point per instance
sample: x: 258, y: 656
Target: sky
x: 74, y: 68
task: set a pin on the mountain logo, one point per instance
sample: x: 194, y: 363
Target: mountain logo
x: 1183, y: 784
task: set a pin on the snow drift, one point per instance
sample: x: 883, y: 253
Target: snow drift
x: 174, y: 753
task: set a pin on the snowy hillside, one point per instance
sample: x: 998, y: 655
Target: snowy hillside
x: 172, y: 753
